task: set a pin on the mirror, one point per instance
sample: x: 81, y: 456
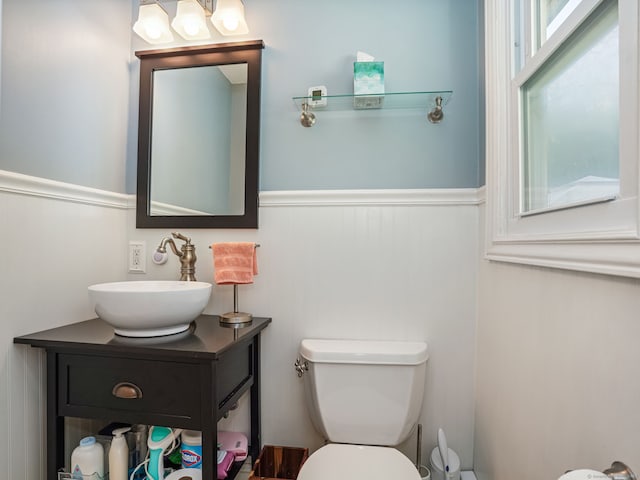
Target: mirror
x: 198, y: 136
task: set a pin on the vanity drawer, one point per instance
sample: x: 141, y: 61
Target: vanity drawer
x: 234, y: 375
x: 158, y: 392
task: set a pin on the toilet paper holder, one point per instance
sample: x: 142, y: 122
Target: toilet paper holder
x: 619, y: 471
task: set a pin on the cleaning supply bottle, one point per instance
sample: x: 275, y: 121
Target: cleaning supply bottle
x: 191, y: 449
x: 119, y: 455
x: 87, y: 459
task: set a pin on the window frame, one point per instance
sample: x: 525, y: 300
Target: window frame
x: 600, y: 236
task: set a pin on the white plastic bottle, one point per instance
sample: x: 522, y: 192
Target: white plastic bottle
x: 87, y: 459
x: 119, y: 455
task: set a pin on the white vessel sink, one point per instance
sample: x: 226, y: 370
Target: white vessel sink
x: 149, y: 308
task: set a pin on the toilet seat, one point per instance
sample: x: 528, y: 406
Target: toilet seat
x: 357, y: 462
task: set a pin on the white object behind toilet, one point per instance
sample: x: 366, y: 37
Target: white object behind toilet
x: 437, y: 470
x: 445, y: 463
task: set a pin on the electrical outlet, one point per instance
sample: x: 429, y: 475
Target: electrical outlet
x: 137, y: 263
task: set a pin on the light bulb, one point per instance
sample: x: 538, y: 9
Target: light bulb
x: 228, y: 17
x: 190, y: 22
x: 153, y: 24
x: 231, y: 22
x: 191, y: 27
x: 153, y: 29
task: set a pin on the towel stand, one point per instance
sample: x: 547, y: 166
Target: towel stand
x: 236, y: 317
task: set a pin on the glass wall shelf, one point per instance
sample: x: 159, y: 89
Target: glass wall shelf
x: 389, y: 100
x: 429, y: 101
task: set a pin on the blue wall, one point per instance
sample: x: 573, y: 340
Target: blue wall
x: 67, y: 114
x: 425, y: 44
x: 64, y: 99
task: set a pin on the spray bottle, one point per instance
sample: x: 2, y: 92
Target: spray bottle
x: 119, y: 455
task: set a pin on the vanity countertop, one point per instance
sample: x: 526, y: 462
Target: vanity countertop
x: 205, y: 339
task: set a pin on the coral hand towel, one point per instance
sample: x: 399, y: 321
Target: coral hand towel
x: 234, y: 262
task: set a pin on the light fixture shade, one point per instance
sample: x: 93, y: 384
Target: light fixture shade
x: 153, y: 24
x: 190, y: 21
x: 228, y: 17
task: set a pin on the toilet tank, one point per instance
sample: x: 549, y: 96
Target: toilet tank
x: 364, y: 392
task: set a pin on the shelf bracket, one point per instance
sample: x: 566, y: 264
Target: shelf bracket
x: 307, y: 118
x: 436, y: 115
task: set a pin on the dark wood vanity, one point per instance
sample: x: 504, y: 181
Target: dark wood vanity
x: 189, y: 380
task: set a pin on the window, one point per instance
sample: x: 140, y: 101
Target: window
x: 550, y: 14
x: 562, y: 133
x: 565, y: 161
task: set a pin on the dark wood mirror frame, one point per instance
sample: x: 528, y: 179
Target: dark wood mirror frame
x: 249, y: 52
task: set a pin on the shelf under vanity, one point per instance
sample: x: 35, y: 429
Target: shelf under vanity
x: 432, y: 102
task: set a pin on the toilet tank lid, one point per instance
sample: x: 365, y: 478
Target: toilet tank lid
x: 364, y: 351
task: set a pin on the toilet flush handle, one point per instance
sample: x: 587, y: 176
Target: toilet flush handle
x: 301, y: 367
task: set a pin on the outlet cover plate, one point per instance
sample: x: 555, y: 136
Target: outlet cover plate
x: 137, y: 256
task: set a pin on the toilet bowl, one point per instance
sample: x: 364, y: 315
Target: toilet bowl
x: 338, y: 461
x: 365, y: 397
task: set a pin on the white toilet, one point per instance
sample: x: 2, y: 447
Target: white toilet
x: 364, y: 397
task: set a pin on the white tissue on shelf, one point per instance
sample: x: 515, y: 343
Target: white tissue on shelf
x: 364, y: 57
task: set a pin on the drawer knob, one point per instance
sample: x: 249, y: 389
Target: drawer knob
x: 126, y: 390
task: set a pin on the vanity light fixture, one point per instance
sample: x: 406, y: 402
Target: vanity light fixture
x: 153, y: 23
x: 190, y: 21
x: 228, y: 17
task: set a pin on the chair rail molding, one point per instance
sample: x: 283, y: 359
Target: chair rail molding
x: 20, y: 184
x: 426, y: 196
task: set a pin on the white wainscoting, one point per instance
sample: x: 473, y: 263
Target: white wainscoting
x: 371, y: 269
x: 398, y: 265
x: 56, y: 239
x: 374, y: 265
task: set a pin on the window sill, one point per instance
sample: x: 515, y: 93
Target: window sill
x: 621, y: 258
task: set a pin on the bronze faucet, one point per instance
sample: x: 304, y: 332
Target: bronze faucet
x: 187, y: 255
